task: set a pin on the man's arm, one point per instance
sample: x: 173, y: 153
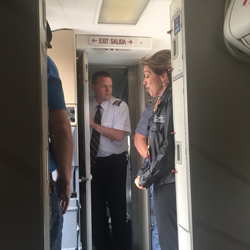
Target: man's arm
x: 141, y: 147
x: 62, y: 151
x: 111, y: 133
x: 141, y: 131
x: 140, y: 144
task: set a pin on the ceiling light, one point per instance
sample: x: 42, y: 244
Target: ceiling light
x: 121, y: 11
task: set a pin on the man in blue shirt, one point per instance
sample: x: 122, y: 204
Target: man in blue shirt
x: 60, y: 151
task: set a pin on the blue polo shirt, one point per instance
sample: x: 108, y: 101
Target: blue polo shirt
x: 55, y: 97
x: 142, y: 126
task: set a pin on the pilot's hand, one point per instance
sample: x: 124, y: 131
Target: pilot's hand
x: 91, y: 122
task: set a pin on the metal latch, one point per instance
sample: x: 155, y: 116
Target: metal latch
x: 83, y: 179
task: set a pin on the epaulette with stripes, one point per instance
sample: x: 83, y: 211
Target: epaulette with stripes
x: 117, y: 102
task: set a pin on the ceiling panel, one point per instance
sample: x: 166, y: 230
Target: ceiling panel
x: 81, y: 15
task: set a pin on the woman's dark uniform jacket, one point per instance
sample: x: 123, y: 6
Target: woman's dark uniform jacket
x: 162, y: 145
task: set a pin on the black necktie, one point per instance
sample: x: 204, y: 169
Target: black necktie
x: 95, y: 138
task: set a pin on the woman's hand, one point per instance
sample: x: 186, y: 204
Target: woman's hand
x: 138, y: 184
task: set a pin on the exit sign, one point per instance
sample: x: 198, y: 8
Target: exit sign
x: 109, y: 41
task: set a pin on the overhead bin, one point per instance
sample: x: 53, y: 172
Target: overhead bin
x: 237, y: 29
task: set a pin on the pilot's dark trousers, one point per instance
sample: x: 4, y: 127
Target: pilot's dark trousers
x: 165, y: 211
x: 109, y: 189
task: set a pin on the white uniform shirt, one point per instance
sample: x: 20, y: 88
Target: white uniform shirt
x: 115, y: 114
